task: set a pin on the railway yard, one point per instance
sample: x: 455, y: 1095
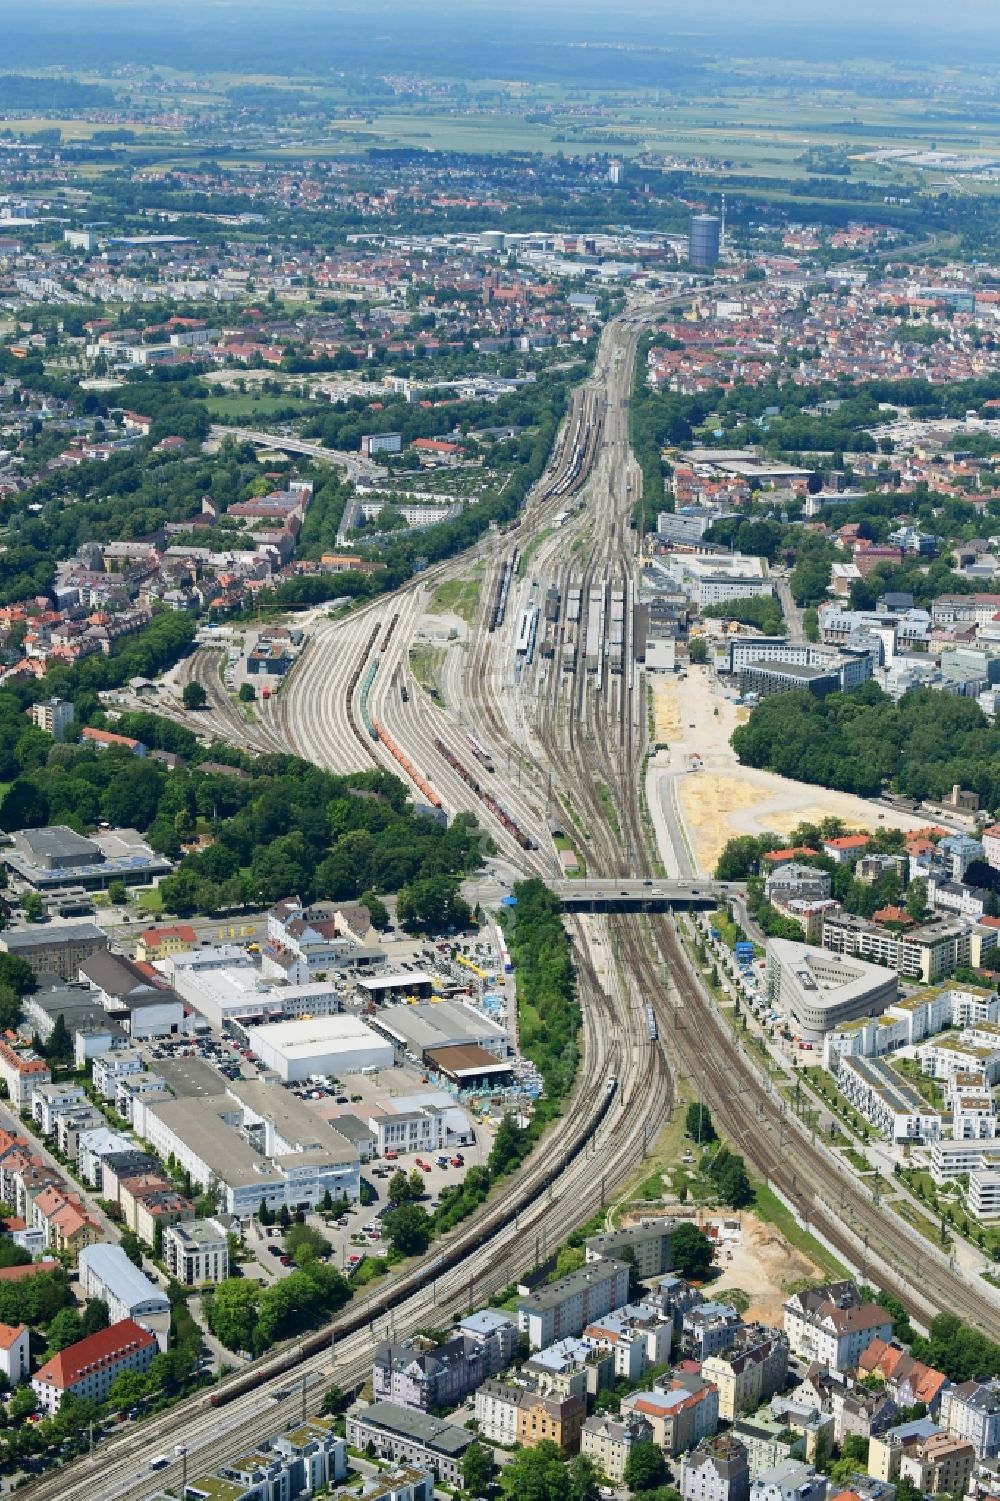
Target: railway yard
x: 548, y: 732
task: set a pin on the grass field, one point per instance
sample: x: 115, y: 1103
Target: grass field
x: 237, y: 407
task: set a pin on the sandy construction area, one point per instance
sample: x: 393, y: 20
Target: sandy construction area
x: 723, y: 798
x: 764, y: 1265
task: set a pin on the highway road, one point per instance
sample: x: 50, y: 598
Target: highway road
x: 355, y: 465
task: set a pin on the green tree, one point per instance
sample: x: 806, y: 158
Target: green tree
x: 306, y: 1244
x: 264, y: 1214
x: 415, y: 1184
x: 22, y: 1404
x: 231, y: 1313
x: 584, y: 1478
x: 645, y: 1468
x: 95, y: 1316
x: 698, y: 1124
x: 59, y: 1048
x: 733, y: 1184
x: 194, y: 696
x: 691, y: 1252
x: 398, y: 1191
x: 477, y: 1468
x: 335, y: 1402
x: 32, y: 906
x: 916, y: 900
x: 117, y: 894
x: 408, y: 1229
x: 130, y: 1244
x: 65, y: 1329
x: 698, y: 651
x: 127, y: 1389
x: 510, y: 1144
x: 247, y: 693
x: 536, y: 1474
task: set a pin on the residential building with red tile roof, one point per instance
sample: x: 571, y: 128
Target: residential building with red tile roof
x: 22, y: 1070
x: 104, y: 739
x: 907, y: 1380
x: 90, y: 1367
x: 846, y: 847
x: 15, y: 1356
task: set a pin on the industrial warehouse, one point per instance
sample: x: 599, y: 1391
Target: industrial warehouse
x: 320, y: 1045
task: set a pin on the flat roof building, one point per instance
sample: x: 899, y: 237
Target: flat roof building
x: 818, y: 990
x: 257, y: 1142
x: 106, y: 1272
x: 440, y: 1025
x: 55, y: 857
x: 57, y: 950
x: 336, y: 1045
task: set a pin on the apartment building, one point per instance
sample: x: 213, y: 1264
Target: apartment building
x: 567, y: 1306
x: 23, y: 1071
x: 975, y: 1052
x: 907, y: 1380
x: 15, y: 1355
x: 636, y: 1337
x: 984, y: 1193
x: 91, y: 1366
x: 717, y: 1470
x: 681, y: 1410
x: 751, y: 1371
x: 833, y: 1326
x: 509, y: 1414
x: 928, y: 953
x: 972, y: 1411
x: 649, y: 1244
x: 708, y: 1328
x: 941, y: 1465
x: 896, y: 1109
x: 196, y: 1252
x: 790, y: 1480
x: 413, y: 1438
x: 886, y: 1450
x: 424, y: 1375
x: 571, y: 1367
x: 609, y: 1441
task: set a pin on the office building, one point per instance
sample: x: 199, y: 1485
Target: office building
x: 57, y: 950
x: 819, y: 991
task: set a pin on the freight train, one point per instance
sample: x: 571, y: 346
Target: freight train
x: 496, y: 808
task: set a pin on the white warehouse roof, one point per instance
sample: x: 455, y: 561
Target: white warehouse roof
x: 320, y: 1044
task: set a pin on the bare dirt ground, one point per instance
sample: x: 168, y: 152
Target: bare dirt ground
x: 724, y: 799
x: 764, y: 1265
